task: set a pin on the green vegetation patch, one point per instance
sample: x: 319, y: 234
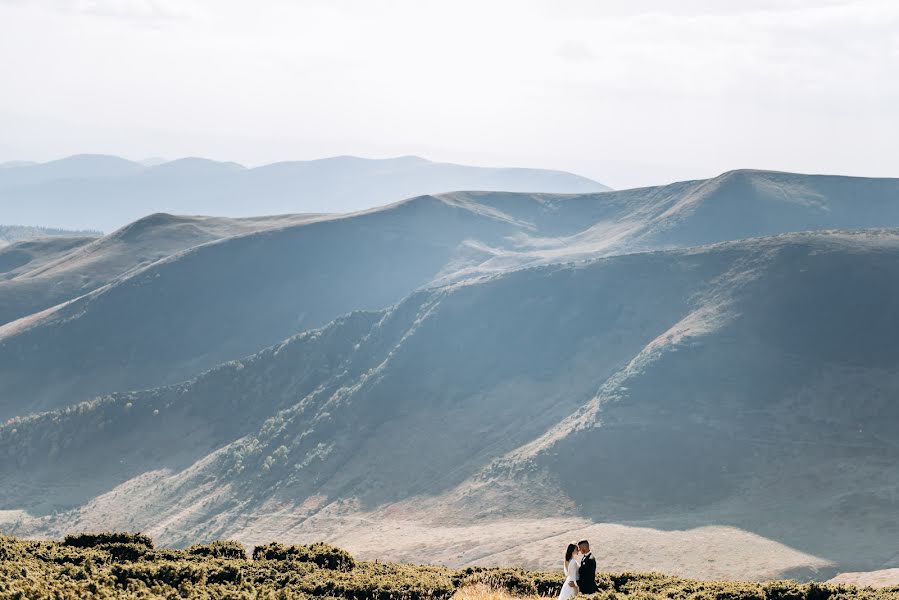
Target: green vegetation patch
x: 323, y: 555
x: 93, y: 540
x: 219, y: 549
x: 125, y: 565
x: 515, y: 581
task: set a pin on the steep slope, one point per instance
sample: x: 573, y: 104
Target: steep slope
x: 361, y: 354
x: 747, y: 385
x: 108, y: 192
x: 770, y: 406
x: 746, y: 203
x: 229, y: 298
x: 735, y: 205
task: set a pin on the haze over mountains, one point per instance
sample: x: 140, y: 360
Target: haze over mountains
x: 10, y: 234
x: 90, y: 191
x: 700, y: 375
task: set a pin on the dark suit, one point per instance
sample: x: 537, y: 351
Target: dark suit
x: 586, y: 574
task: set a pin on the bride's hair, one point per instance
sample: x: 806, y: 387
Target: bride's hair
x: 570, y: 552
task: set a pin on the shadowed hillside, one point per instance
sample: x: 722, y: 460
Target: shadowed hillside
x: 154, y: 296
x: 748, y: 385
x: 50, y: 272
x: 223, y: 300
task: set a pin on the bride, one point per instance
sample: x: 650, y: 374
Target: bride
x: 569, y: 588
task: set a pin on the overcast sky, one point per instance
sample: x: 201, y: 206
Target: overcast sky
x: 626, y: 92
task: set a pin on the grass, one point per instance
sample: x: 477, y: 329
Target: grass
x: 482, y: 591
x: 123, y: 565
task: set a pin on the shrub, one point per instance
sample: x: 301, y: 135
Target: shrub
x: 50, y: 552
x: 549, y: 583
x: 324, y: 555
x: 92, y: 540
x: 515, y: 581
x: 117, y: 569
x: 10, y: 549
x: 224, y: 574
x: 125, y: 552
x: 783, y: 590
x: 170, y: 574
x: 817, y: 591
x: 219, y: 549
x: 272, y: 551
x: 160, y: 554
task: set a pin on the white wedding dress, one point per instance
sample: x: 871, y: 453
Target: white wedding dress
x: 570, y: 575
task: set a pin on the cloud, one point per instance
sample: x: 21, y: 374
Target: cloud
x: 574, y: 50
x: 785, y: 84
x: 133, y: 10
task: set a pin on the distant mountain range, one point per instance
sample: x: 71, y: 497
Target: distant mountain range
x: 106, y: 192
x: 700, y: 377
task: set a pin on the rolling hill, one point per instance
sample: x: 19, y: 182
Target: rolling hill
x: 734, y: 404
x: 20, y: 257
x: 152, y: 298
x: 480, y: 374
x: 43, y: 273
x: 229, y: 298
x: 107, y: 192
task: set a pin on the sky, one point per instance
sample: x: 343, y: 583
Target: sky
x: 627, y: 92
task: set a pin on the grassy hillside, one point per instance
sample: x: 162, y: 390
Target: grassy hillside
x: 21, y: 257
x: 165, y: 304
x: 667, y: 391
x: 10, y: 234
x: 223, y: 300
x: 43, y: 273
x: 128, y: 566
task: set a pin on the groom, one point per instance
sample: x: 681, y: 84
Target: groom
x: 586, y: 573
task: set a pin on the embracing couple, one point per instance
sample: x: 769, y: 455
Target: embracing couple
x: 580, y: 571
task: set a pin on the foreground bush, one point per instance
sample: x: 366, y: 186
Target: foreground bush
x: 175, y: 574
x: 124, y: 566
x: 125, y: 552
x: 219, y: 549
x: 92, y: 540
x: 517, y: 582
x: 324, y: 555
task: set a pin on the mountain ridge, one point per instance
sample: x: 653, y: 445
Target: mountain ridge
x: 443, y: 371
x: 445, y: 237
x: 322, y: 424
x: 69, y: 189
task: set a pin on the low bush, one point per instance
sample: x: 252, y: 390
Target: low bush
x: 515, y: 581
x: 164, y: 573
x: 159, y: 554
x: 108, y: 567
x: 219, y: 549
x: 125, y: 552
x: 549, y: 583
x: 324, y: 555
x: 92, y: 540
